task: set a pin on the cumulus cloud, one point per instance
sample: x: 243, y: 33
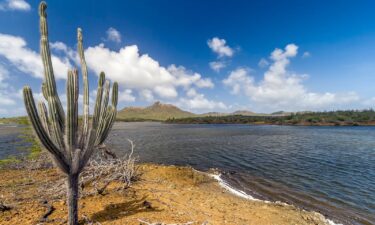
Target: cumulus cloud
x: 141, y: 72
x: 16, y: 5
x: 263, y: 63
x: 220, y: 47
x: 15, y: 50
x: 134, y: 72
x: 62, y: 47
x: 5, y: 98
x: 126, y: 96
x: 283, y: 89
x: 113, y: 35
x: 217, y: 65
x: 4, y: 73
x: 197, y: 101
x: 146, y: 95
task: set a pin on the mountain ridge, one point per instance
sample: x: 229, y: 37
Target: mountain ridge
x: 161, y: 111
x: 157, y: 111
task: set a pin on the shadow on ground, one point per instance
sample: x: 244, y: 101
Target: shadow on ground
x: 116, y: 211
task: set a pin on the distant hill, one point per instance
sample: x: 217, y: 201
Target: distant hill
x: 244, y: 113
x: 238, y: 112
x: 158, y: 111
x: 331, y: 118
x: 214, y: 114
x: 281, y: 113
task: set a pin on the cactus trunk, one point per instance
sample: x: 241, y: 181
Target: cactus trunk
x: 70, y: 146
x: 72, y: 197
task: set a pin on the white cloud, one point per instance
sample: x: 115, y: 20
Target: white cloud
x: 20, y: 5
x: 306, y: 55
x: 197, y: 101
x: 166, y: 91
x: 219, y: 46
x: 141, y: 72
x: 204, y: 83
x: 134, y: 72
x: 113, y: 35
x: 15, y: 50
x: 146, y: 95
x: 62, y: 47
x: 217, y: 65
x: 186, y: 78
x: 126, y: 96
x: 282, y: 89
x: 238, y: 80
x: 263, y: 63
x: 5, y: 98
x: 4, y: 73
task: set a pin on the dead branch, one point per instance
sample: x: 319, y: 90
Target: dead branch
x: 99, y: 173
x: 102, y: 171
x: 105, y: 151
x: 4, y: 207
x: 49, y: 211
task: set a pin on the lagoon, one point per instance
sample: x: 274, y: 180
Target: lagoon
x: 325, y: 169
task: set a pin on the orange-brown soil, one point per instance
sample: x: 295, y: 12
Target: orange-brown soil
x: 166, y: 194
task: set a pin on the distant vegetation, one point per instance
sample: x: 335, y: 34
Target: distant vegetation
x: 172, y: 114
x: 23, y: 120
x: 333, y: 118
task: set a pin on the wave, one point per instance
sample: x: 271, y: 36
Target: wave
x: 244, y: 195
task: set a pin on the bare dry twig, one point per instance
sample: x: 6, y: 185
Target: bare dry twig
x: 49, y: 211
x: 102, y: 171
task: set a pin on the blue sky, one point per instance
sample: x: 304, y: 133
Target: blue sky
x: 262, y: 56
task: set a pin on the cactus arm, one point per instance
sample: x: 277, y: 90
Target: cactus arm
x: 71, y: 121
x: 98, y: 103
x: 105, y: 100
x: 85, y: 124
x: 103, y: 110
x: 44, y: 90
x: 43, y: 115
x: 40, y: 131
x: 112, y: 115
x: 56, y: 130
x: 115, y: 95
x: 88, y: 150
x: 109, y: 120
x: 47, y: 63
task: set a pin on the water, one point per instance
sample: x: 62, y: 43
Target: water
x: 325, y: 169
x: 11, y: 141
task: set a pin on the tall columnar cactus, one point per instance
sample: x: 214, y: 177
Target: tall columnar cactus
x: 70, y: 145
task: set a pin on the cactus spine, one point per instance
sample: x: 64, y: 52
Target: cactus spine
x: 69, y: 145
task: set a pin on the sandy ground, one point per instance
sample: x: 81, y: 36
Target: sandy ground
x: 166, y: 194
